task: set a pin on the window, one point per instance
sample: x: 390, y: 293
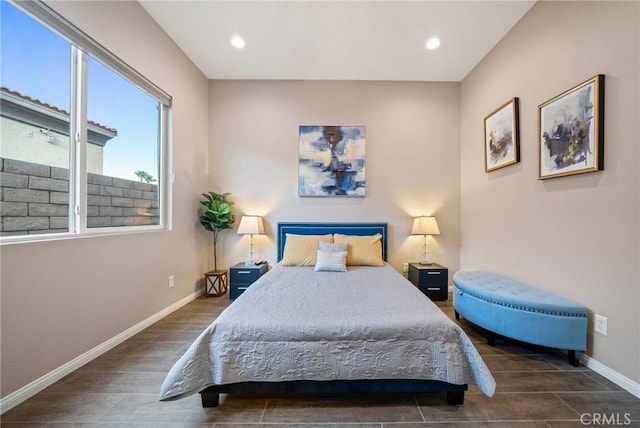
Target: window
x: 122, y: 174
x: 34, y: 125
x: 83, y: 137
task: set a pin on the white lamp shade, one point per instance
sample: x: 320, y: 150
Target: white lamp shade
x: 425, y: 226
x: 251, y: 225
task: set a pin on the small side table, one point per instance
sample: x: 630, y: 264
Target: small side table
x: 242, y: 276
x: 432, y: 280
x: 215, y: 283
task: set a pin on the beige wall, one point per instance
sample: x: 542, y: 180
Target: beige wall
x: 63, y: 298
x: 412, y: 155
x: 577, y: 236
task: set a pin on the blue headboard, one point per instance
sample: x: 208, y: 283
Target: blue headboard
x: 360, y: 229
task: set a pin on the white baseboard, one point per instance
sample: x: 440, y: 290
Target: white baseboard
x: 28, y: 391
x: 615, y: 377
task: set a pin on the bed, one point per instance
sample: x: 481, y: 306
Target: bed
x: 296, y: 330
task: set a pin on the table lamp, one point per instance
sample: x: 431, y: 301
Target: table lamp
x: 424, y: 226
x: 251, y: 225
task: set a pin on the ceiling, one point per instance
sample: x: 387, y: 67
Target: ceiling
x: 336, y: 40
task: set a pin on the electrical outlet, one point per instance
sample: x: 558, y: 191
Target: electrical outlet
x: 171, y: 281
x: 601, y: 324
x: 405, y: 267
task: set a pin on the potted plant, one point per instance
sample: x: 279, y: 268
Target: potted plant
x: 216, y: 217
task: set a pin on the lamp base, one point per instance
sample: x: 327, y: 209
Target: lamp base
x: 425, y: 263
x: 249, y: 263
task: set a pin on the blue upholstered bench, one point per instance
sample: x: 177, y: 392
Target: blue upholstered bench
x: 512, y: 309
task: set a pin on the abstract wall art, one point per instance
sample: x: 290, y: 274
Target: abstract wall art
x: 571, y: 130
x: 501, y: 136
x: 331, y: 160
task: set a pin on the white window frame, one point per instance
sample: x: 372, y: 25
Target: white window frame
x: 84, y: 46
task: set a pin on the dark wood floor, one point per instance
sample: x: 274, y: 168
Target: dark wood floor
x: 536, y: 387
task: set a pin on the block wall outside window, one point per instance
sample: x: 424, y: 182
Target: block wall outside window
x: 34, y: 199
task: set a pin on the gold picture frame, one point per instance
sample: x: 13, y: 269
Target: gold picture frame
x: 502, y: 136
x: 571, y: 131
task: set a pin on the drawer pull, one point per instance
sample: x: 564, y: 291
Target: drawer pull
x: 243, y: 272
x: 242, y: 288
x: 434, y: 273
x: 433, y: 288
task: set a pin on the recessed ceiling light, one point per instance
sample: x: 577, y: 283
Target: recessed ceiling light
x: 237, y: 42
x: 433, y: 43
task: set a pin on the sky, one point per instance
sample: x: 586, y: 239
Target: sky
x: 35, y: 62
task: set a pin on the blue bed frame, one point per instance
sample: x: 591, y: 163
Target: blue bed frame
x: 359, y: 229
x: 454, y: 393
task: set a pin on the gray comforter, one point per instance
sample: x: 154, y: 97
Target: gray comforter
x: 297, y: 324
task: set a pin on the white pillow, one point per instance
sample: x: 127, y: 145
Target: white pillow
x: 331, y: 261
x: 328, y: 246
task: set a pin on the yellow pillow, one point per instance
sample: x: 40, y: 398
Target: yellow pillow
x: 301, y: 250
x: 363, y: 250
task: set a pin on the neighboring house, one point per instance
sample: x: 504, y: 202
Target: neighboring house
x: 33, y: 131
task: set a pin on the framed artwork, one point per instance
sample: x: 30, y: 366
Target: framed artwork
x: 501, y: 136
x: 571, y: 131
x: 331, y: 160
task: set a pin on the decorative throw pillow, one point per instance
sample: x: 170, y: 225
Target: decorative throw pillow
x: 300, y: 250
x: 328, y: 246
x: 331, y: 261
x: 363, y: 250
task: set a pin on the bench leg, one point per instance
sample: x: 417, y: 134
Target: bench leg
x: 491, y: 339
x: 572, y: 358
x: 457, y: 314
